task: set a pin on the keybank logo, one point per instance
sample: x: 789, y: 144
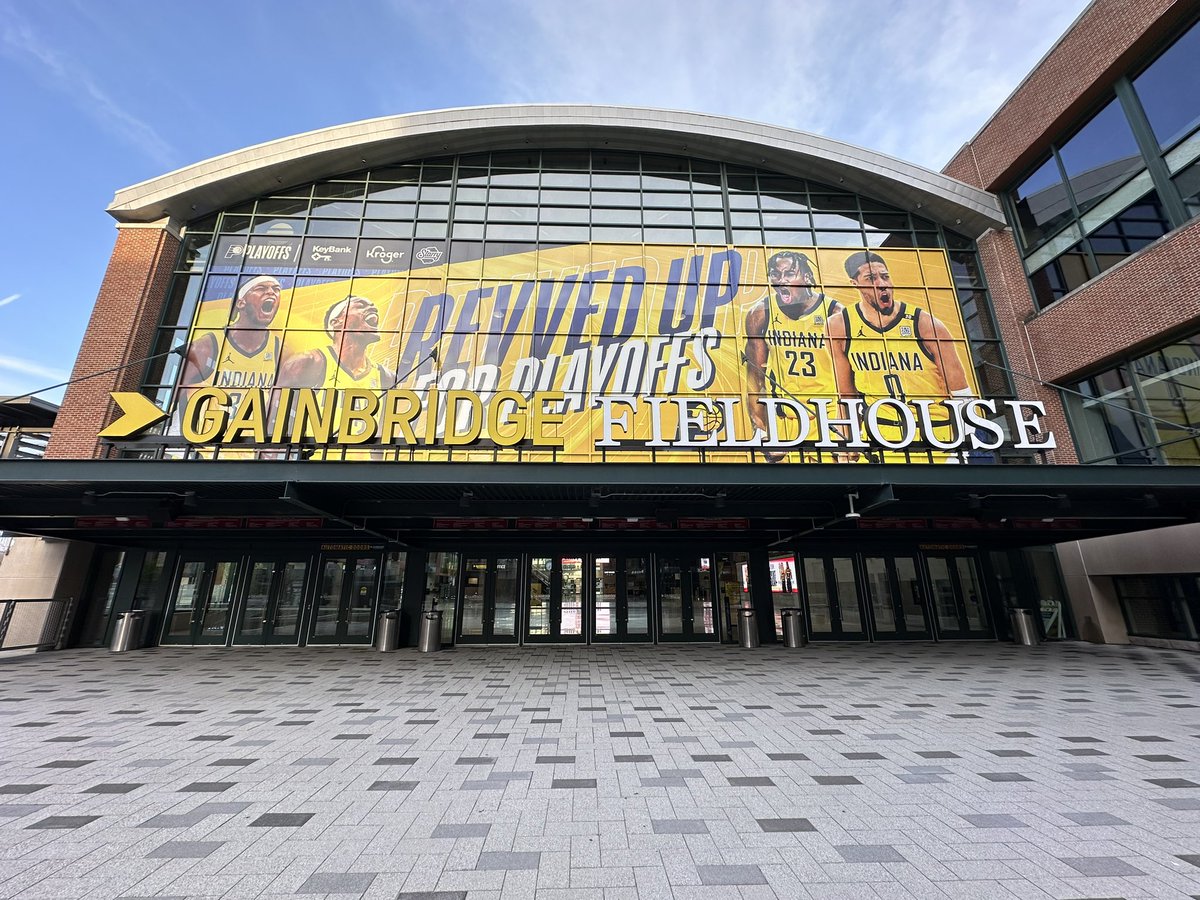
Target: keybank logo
x: 387, y: 257
x: 429, y: 255
x: 326, y: 252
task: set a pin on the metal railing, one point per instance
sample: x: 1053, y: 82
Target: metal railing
x: 33, y: 624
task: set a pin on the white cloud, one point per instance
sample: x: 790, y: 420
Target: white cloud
x: 20, y: 42
x: 31, y: 367
x: 11, y: 298
x: 914, y: 79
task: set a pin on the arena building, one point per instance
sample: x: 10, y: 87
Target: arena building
x: 582, y: 374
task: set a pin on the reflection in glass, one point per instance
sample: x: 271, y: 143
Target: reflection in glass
x: 847, y: 594
x: 637, y: 596
x: 670, y: 595
x: 220, y: 601
x: 541, y: 572
x: 879, y: 590
x: 190, y: 576
x: 1042, y: 203
x: 943, y: 594
x: 289, y: 600
x: 910, y: 594
x: 504, y: 608
x: 571, y: 622
x: 1100, y: 157
x: 1169, y: 89
x: 604, y: 592
x: 785, y: 586
x: 329, y: 600
x: 702, y: 600
x: 441, y: 589
x: 968, y: 579
x: 258, y: 594
x: 474, y: 579
x: 818, y: 594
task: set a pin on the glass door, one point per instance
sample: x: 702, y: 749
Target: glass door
x: 895, y: 599
x: 685, y: 599
x: 488, y: 613
x: 345, y: 604
x: 201, y: 602
x: 620, y: 607
x: 958, y: 598
x: 833, y: 607
x: 556, y: 592
x: 272, y: 602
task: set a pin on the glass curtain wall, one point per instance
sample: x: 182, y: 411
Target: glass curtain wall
x: 1124, y: 178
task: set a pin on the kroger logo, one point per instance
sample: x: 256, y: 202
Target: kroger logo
x: 429, y: 255
x: 385, y: 256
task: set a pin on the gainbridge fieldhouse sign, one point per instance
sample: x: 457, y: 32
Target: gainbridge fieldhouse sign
x: 595, y: 353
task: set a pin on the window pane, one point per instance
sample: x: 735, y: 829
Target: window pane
x: 1042, y: 204
x: 1130, y: 231
x: 1100, y: 156
x: 1170, y: 89
x: 1170, y: 383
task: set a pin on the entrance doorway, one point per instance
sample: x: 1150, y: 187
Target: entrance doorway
x: 201, y: 601
x: 345, y: 601
x: 895, y: 599
x: 491, y: 591
x: 685, y: 599
x: 554, y: 613
x: 620, y: 599
x: 958, y: 597
x: 834, y: 608
x: 273, y: 602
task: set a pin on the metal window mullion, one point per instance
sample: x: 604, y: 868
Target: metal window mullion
x: 1143, y: 134
x: 725, y: 204
x: 1144, y: 409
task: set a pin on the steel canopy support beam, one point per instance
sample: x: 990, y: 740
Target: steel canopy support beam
x: 291, y: 494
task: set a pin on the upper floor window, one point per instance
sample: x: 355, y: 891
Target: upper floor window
x: 1124, y: 178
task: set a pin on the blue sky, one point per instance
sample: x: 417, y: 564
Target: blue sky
x: 100, y: 95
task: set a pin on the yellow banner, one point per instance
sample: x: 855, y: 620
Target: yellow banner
x: 796, y: 354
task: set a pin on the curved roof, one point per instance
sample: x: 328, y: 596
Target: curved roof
x: 226, y: 180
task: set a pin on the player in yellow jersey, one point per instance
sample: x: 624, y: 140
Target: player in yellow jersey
x: 353, y: 326
x: 886, y: 348
x: 787, y: 354
x: 246, y: 354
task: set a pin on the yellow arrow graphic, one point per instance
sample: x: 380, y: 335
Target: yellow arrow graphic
x: 137, y: 413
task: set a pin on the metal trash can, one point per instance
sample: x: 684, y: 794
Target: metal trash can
x: 793, y: 629
x: 387, y: 630
x: 1024, y: 629
x: 748, y: 628
x: 430, y: 637
x: 128, y: 633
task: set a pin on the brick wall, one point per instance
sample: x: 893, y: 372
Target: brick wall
x: 120, y: 331
x: 1109, y: 38
x: 1013, y: 306
x: 1135, y: 304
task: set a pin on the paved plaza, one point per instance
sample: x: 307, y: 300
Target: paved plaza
x: 952, y: 770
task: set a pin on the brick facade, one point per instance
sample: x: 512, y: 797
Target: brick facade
x: 120, y: 331
x: 1139, y: 301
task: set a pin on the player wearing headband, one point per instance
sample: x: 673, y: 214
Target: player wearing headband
x: 245, y: 354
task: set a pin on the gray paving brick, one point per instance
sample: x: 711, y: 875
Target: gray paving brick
x: 860, y: 748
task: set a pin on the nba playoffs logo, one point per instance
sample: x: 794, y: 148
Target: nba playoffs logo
x: 428, y: 255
